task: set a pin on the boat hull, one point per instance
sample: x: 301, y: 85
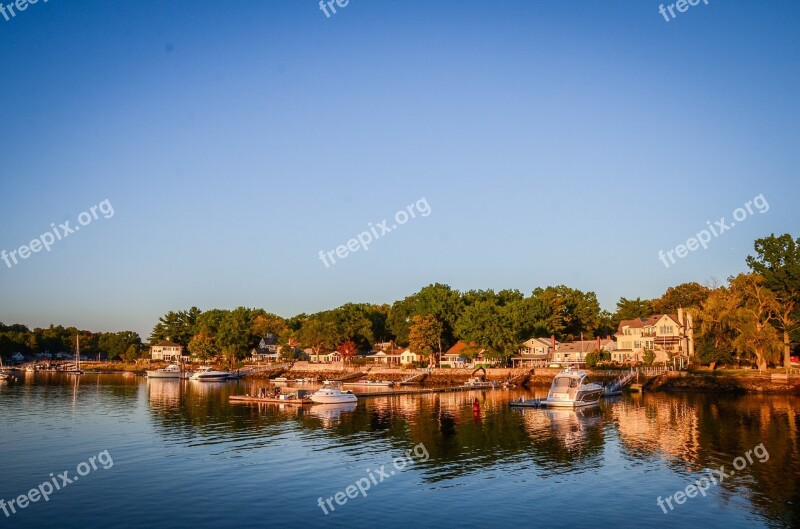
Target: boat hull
x: 156, y: 374
x: 333, y: 399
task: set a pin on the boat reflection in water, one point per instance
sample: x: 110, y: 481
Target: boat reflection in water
x: 331, y: 413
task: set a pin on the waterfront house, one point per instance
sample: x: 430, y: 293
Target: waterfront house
x: 168, y: 351
x: 408, y: 357
x: 535, y: 352
x: 17, y: 358
x: 667, y: 335
x: 569, y: 353
x: 267, y: 350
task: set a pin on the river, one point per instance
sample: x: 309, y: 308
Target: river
x: 164, y: 453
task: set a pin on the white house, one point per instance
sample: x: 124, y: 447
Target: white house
x: 407, y: 357
x: 575, y: 352
x: 167, y: 351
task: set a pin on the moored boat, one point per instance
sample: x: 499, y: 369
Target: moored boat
x: 570, y: 389
x: 209, y: 374
x: 171, y: 371
x: 331, y: 393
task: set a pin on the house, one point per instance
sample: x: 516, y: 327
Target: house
x: 43, y: 356
x: 454, y: 357
x: 407, y: 357
x: 323, y: 357
x: 384, y: 357
x: 667, y: 335
x: 17, y: 358
x: 167, y: 351
x: 535, y: 352
x: 569, y: 353
x: 267, y: 350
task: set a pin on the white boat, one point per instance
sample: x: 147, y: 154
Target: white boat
x: 477, y: 382
x: 370, y: 383
x: 280, y: 379
x: 570, y: 389
x: 332, y: 393
x: 209, y: 374
x: 171, y: 371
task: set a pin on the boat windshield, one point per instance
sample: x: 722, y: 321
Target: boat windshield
x: 564, y: 382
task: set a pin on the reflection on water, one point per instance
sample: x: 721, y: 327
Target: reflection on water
x: 615, y: 458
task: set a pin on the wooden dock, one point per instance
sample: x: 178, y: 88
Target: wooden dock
x: 269, y: 400
x: 416, y: 391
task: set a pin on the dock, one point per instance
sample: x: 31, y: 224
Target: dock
x: 269, y: 400
x: 416, y: 391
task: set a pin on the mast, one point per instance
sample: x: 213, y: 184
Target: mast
x: 78, y: 352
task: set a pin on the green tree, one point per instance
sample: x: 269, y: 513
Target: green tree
x: 778, y: 261
x: 202, y: 346
x: 425, y: 336
x: 685, y: 295
x: 649, y: 357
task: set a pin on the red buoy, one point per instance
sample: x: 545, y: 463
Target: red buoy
x: 476, y: 406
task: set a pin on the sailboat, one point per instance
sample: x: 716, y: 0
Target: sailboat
x: 77, y: 370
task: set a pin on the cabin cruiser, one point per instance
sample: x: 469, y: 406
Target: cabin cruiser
x: 331, y: 393
x: 171, y: 371
x: 209, y: 374
x: 570, y: 388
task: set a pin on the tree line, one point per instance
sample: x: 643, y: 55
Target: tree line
x: 754, y: 318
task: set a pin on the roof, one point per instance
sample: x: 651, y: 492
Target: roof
x: 167, y: 343
x: 580, y: 346
x: 639, y: 323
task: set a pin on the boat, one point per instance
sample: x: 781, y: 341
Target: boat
x: 371, y: 383
x: 478, y: 382
x: 570, y: 388
x: 280, y: 379
x: 331, y: 393
x: 209, y: 374
x: 77, y: 369
x: 171, y: 371
x: 4, y: 373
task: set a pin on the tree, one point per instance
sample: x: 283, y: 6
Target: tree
x: 132, y: 353
x: 347, y: 350
x: 319, y: 334
x: 235, y: 336
x: 437, y: 300
x: 746, y: 309
x: 778, y: 261
x: 649, y: 356
x: 715, y: 341
x: 564, y: 311
x: 685, y: 295
x: 630, y: 309
x: 265, y: 323
x: 176, y: 326
x: 490, y: 326
x: 425, y: 336
x: 202, y: 346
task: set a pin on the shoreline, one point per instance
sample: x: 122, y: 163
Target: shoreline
x: 705, y: 381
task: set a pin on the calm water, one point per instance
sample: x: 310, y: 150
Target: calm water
x: 184, y: 457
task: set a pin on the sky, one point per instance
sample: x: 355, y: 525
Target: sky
x: 549, y: 143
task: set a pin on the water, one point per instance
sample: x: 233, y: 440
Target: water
x: 182, y: 456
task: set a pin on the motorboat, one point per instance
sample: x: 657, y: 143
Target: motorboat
x: 570, y: 388
x: 478, y: 382
x: 370, y: 383
x: 209, y: 374
x: 171, y: 371
x: 331, y: 393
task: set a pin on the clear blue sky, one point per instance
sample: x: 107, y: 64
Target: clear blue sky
x: 554, y: 142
